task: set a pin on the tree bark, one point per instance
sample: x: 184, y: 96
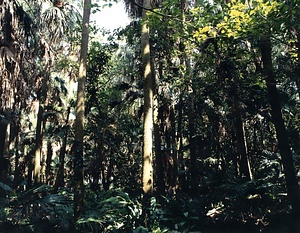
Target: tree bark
x: 148, y: 85
x: 60, y: 182
x: 244, y: 164
x: 194, y: 172
x: 173, y: 152
x: 79, y: 121
x: 3, y: 160
x: 281, y: 133
x: 298, y: 63
x: 159, y: 169
x: 37, y: 176
x: 17, y: 171
x: 48, y: 176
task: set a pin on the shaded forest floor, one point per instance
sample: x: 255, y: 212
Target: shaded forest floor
x: 280, y: 224
x: 39, y: 211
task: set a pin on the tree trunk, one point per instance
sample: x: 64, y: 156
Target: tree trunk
x: 173, y: 152
x: 179, y: 136
x: 194, y: 172
x: 59, y: 181
x: 148, y: 85
x: 159, y: 170
x: 298, y: 64
x: 37, y: 175
x: 30, y: 167
x: 48, y: 176
x: 38, y: 147
x: 17, y: 171
x: 281, y: 133
x: 79, y: 121
x: 244, y: 165
x: 3, y: 161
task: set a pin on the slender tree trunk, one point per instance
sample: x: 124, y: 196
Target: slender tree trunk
x: 30, y: 167
x: 298, y: 64
x: 194, y: 172
x: 37, y: 175
x: 148, y: 85
x: 3, y: 160
x: 80, y: 108
x: 159, y: 172
x: 159, y: 169
x: 281, y: 133
x: 48, y: 176
x: 59, y: 181
x: 179, y: 137
x: 44, y: 153
x: 244, y: 164
x: 38, y: 147
x: 17, y: 171
x: 8, y: 137
x: 173, y: 152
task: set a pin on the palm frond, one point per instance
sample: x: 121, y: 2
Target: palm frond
x: 54, y: 24
x: 5, y: 188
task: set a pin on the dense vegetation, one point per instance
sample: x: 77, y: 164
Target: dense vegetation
x: 187, y: 120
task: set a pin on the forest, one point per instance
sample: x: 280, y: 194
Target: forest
x: 186, y: 120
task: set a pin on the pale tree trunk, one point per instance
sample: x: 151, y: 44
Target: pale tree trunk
x: 80, y: 108
x: 148, y: 84
x: 281, y: 133
x: 37, y: 175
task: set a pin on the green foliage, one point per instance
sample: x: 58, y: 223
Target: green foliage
x: 109, y: 211
x: 207, y: 61
x: 5, y: 188
x: 140, y: 229
x: 37, y: 208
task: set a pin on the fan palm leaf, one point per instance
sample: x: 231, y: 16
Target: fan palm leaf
x: 59, y: 22
x: 54, y: 24
x: 15, y: 55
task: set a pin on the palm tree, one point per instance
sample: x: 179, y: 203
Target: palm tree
x: 16, y: 67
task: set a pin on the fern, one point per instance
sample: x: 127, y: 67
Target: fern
x: 108, y: 211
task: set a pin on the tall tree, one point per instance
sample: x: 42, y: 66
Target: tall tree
x: 281, y: 133
x: 148, y: 85
x: 39, y: 130
x: 80, y: 109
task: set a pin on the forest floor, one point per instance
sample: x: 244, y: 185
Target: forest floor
x: 275, y: 227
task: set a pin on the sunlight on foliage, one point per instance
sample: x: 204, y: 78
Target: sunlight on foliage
x: 238, y: 18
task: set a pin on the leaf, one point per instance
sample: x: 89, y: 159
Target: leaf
x: 5, y: 187
x: 55, y: 199
x: 205, y: 29
x: 140, y: 229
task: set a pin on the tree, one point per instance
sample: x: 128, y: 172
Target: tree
x: 80, y: 111
x: 277, y: 119
x: 148, y: 85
